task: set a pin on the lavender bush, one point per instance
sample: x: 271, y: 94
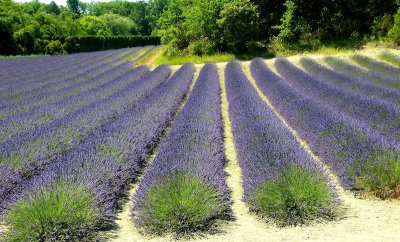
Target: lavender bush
x: 27, y: 154
x: 377, y: 66
x: 379, y: 115
x: 361, y: 73
x: 103, y: 165
x: 188, y: 168
x: 60, y: 79
x: 270, y: 157
x: 350, y: 83
x: 104, y: 85
x: 343, y: 143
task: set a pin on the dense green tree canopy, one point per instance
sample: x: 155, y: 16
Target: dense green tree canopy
x: 94, y: 26
x: 119, y: 25
x: 196, y: 26
x: 73, y: 6
x: 239, y: 23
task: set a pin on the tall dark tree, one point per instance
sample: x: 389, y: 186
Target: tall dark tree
x: 53, y: 8
x: 73, y: 6
x: 271, y: 12
x: 6, y: 40
x: 154, y: 9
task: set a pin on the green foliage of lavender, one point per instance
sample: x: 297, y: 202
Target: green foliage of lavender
x: 181, y: 204
x: 295, y: 197
x: 60, y: 211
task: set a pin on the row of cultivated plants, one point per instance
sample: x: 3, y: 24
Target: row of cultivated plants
x: 357, y: 140
x: 27, y: 153
x: 85, y: 183
x: 64, y: 176
x: 34, y: 95
x: 46, y: 72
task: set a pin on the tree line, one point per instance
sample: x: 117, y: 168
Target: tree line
x: 38, y: 28
x: 198, y: 26
x: 240, y: 26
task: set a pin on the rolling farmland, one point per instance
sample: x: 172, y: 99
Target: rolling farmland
x: 93, y: 145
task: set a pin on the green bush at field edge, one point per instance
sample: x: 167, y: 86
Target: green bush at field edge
x: 297, y: 196
x: 180, y: 205
x: 60, y: 212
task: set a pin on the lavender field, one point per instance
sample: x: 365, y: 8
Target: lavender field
x: 94, y: 146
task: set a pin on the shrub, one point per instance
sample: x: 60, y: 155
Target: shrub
x: 59, y: 212
x: 201, y: 47
x: 381, y: 26
x: 95, y: 43
x: 394, y: 33
x: 54, y: 47
x: 295, y: 197
x: 180, y: 204
x: 240, y: 24
x: 380, y: 175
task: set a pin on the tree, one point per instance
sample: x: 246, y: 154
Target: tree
x: 193, y: 22
x: 119, y: 25
x: 271, y: 12
x: 6, y: 40
x: 154, y: 9
x: 53, y: 8
x: 328, y: 21
x: 394, y: 32
x: 73, y: 6
x: 25, y: 39
x: 138, y: 15
x: 93, y: 26
x: 240, y: 24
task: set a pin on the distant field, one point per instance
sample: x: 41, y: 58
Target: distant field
x: 99, y: 146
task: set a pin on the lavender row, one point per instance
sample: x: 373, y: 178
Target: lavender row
x: 8, y: 63
x: 361, y: 73
x: 265, y: 147
x: 36, y: 63
x: 32, y: 75
x: 85, y: 80
x: 16, y: 110
x: 26, y: 86
x: 381, y: 116
x: 63, y: 79
x: 350, y: 83
x: 110, y: 159
x: 111, y: 82
x: 89, y: 83
x: 32, y: 65
x: 378, y: 66
x: 68, y: 80
x: 23, y: 156
x: 343, y: 143
x: 37, y: 78
x: 194, y: 145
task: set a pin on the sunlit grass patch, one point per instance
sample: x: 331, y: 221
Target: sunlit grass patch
x: 58, y: 212
x: 181, y: 204
x: 179, y: 60
x: 297, y: 196
x: 391, y: 58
